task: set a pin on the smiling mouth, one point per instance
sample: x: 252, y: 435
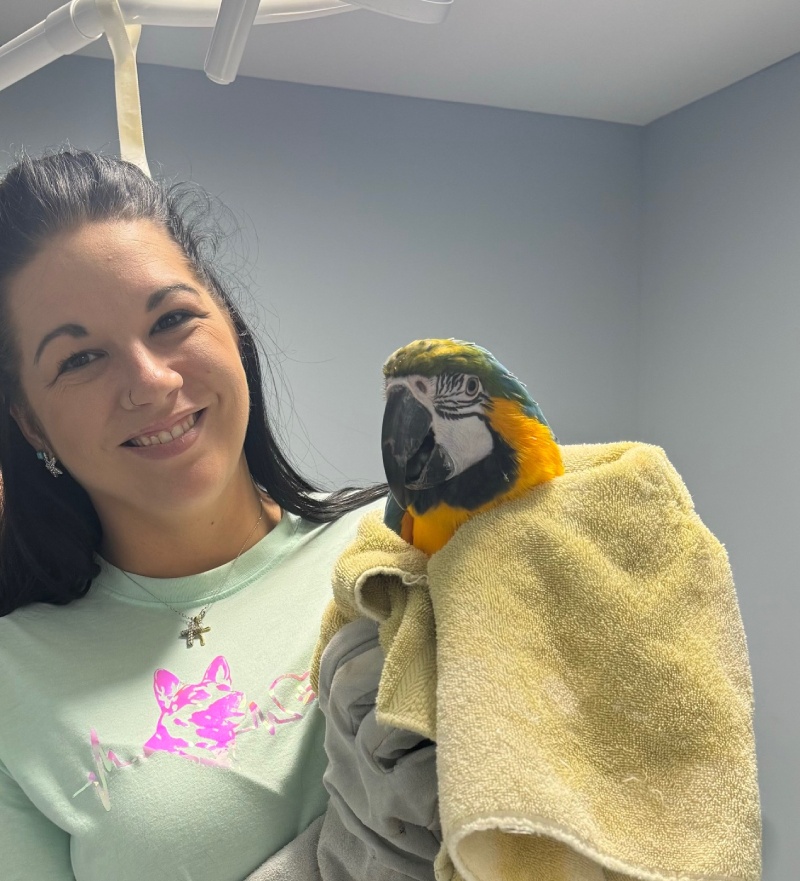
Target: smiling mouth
x: 165, y: 437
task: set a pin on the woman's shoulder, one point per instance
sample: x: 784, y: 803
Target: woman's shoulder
x: 342, y: 528
x: 324, y: 541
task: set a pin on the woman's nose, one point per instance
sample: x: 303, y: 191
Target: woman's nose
x: 147, y: 379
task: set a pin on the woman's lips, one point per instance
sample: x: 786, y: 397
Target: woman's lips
x: 164, y: 435
x: 174, y: 447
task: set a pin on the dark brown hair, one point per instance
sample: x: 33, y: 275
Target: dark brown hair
x: 49, y: 529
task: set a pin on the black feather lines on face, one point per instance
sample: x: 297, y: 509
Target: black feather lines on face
x: 450, y: 396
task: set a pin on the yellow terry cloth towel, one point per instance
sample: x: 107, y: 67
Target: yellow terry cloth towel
x: 578, y: 655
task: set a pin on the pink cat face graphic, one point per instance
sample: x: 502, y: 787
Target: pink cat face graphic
x: 199, y: 720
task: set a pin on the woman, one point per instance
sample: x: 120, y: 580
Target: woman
x: 163, y: 569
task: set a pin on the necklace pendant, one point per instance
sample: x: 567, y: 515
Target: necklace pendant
x: 195, y: 630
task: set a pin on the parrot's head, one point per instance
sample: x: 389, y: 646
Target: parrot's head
x: 458, y: 427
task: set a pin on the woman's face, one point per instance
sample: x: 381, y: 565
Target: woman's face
x: 121, y: 348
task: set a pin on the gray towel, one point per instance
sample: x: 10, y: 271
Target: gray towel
x: 382, y: 821
x: 297, y: 861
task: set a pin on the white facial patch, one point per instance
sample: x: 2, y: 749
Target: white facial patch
x: 422, y: 387
x: 466, y: 439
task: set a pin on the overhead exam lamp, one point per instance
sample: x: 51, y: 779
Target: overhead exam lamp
x: 235, y: 19
x: 78, y: 23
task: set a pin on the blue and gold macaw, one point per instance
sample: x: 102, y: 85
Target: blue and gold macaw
x: 460, y: 435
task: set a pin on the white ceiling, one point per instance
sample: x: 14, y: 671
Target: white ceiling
x: 619, y: 60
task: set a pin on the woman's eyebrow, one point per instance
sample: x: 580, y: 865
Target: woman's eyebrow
x: 78, y: 330
x: 155, y: 299
x: 74, y: 330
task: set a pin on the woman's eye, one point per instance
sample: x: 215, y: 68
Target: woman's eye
x: 173, y: 319
x: 76, y: 361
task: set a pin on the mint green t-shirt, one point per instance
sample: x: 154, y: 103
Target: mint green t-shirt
x: 125, y: 755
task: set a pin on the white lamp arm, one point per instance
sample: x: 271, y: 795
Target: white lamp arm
x: 77, y: 23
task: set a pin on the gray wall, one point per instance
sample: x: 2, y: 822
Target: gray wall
x: 641, y: 281
x: 720, y: 368
x: 372, y: 220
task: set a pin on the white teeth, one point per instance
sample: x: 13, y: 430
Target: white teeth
x: 164, y: 437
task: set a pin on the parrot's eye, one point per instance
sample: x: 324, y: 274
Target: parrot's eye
x: 472, y: 387
x: 421, y: 386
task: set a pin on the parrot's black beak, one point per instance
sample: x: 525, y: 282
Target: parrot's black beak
x: 412, y: 459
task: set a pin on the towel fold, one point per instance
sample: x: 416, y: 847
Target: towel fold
x: 578, y: 655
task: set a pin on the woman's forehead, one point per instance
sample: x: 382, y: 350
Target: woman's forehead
x: 97, y: 266
x: 119, y: 247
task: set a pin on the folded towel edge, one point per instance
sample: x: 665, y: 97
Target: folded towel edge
x: 515, y: 824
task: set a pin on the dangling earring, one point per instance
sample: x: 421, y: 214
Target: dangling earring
x: 49, y: 463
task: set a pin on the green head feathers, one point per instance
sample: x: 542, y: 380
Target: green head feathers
x: 437, y: 357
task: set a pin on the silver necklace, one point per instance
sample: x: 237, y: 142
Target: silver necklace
x: 195, y: 630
